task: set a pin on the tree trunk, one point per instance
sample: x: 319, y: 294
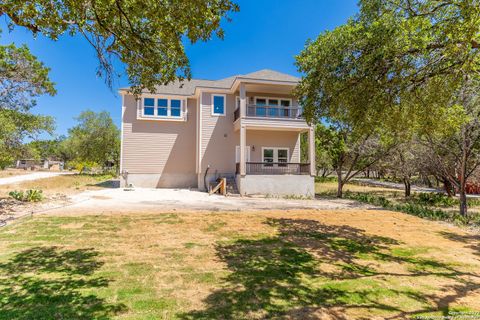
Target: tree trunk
x: 447, y: 185
x: 463, y: 180
x: 340, y: 184
x: 406, y: 182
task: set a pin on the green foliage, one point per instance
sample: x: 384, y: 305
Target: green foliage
x: 325, y: 179
x: 94, y: 141
x: 31, y: 195
x: 436, y: 199
x: 147, y: 36
x: 416, y: 208
x: 22, y: 78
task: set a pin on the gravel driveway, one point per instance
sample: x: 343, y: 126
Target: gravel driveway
x: 31, y: 176
x: 183, y: 199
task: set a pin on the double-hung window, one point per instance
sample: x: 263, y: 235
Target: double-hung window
x: 218, y: 104
x: 162, y: 107
x: 148, y: 107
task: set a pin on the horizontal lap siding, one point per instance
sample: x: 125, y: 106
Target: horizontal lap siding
x: 275, y: 139
x: 158, y: 146
x: 218, y: 136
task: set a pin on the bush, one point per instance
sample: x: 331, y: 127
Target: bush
x: 325, y: 179
x: 436, y: 200
x: 31, y: 195
x: 417, y: 208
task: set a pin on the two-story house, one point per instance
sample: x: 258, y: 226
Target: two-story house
x: 245, y: 127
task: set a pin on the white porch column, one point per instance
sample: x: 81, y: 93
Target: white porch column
x: 311, y: 150
x: 243, y: 100
x: 243, y: 142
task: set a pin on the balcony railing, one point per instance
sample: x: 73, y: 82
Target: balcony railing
x: 261, y: 111
x: 275, y: 168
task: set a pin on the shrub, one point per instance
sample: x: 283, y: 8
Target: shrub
x: 436, y: 199
x: 325, y: 179
x: 17, y: 195
x: 31, y: 195
x: 415, y: 208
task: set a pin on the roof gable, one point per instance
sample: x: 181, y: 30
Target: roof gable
x: 187, y: 88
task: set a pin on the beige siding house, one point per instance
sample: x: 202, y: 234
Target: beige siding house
x: 245, y: 128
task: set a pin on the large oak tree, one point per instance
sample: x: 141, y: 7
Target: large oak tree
x: 397, y: 65
x: 146, y: 35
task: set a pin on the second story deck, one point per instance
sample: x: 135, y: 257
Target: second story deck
x: 285, y: 112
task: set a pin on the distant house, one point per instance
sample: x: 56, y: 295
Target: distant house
x: 26, y: 164
x: 245, y: 128
x: 33, y: 164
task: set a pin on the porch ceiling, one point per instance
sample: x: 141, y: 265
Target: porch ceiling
x: 273, y: 88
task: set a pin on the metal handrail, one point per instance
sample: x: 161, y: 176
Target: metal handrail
x: 275, y: 168
x: 269, y: 111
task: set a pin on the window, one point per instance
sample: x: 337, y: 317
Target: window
x: 162, y: 107
x: 149, y: 106
x: 282, y: 156
x: 175, y: 107
x: 218, y: 105
x: 285, y: 112
x: 268, y: 156
x: 261, y: 110
x: 274, y: 155
x: 272, y: 107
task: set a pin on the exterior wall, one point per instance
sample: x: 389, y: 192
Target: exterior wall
x: 282, y: 185
x: 159, y: 153
x: 285, y: 139
x: 218, y: 140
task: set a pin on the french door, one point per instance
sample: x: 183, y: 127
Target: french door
x: 275, y: 155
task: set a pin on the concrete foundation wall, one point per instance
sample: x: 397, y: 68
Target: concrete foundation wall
x: 163, y: 180
x: 211, y: 177
x: 277, y: 185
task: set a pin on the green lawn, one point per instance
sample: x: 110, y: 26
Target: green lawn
x: 295, y: 265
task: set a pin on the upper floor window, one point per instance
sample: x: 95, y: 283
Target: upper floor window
x: 149, y: 106
x: 218, y: 104
x: 162, y: 107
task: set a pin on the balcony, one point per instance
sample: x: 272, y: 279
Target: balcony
x: 270, y: 112
x: 275, y: 168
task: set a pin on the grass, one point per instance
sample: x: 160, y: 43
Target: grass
x: 64, y: 184
x: 258, y: 265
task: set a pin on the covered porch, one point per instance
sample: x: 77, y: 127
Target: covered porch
x: 268, y: 161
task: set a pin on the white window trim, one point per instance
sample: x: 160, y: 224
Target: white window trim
x: 224, y: 105
x: 275, y: 153
x: 155, y: 116
x: 275, y: 98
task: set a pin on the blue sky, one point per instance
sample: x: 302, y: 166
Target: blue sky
x: 264, y: 34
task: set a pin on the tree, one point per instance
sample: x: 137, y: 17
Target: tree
x: 403, y: 162
x: 324, y: 149
x: 22, y: 78
x: 95, y: 139
x: 146, y: 35
x: 454, y: 143
x: 397, y: 62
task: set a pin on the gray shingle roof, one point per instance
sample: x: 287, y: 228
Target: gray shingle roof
x: 188, y: 87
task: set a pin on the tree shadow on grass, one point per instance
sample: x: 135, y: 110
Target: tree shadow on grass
x: 471, y: 241
x: 283, y: 276
x: 53, y: 283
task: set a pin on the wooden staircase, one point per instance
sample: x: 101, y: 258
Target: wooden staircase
x: 225, y: 186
